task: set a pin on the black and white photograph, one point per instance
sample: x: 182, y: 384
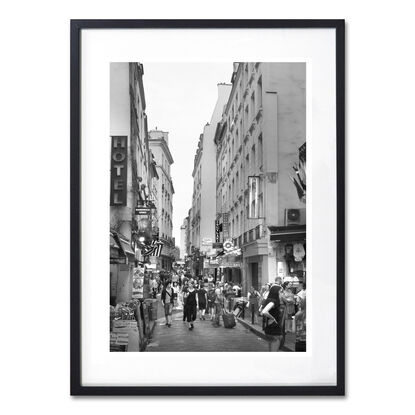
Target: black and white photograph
x: 209, y: 156
x: 204, y: 207
x: 207, y: 204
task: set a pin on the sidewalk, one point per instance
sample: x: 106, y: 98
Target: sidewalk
x: 289, y: 344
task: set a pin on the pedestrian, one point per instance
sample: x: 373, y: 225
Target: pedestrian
x: 191, y: 306
x: 183, y: 296
x: 229, y: 295
x: 237, y: 290
x: 287, y: 297
x: 202, y: 301
x: 219, y: 303
x: 175, y: 293
x: 153, y: 286
x: 253, y: 301
x: 211, y: 297
x: 301, y: 303
x: 263, y: 301
x: 167, y: 300
x: 274, y: 316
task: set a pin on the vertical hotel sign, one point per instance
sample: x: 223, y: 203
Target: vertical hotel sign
x: 253, y: 187
x: 225, y: 225
x: 118, y: 170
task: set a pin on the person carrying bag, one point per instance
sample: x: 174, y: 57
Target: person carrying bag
x: 274, y: 313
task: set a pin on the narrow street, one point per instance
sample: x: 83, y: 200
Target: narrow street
x: 208, y: 204
x: 203, y: 338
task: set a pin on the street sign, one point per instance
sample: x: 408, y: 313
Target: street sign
x: 228, y: 245
x: 141, y: 211
x: 206, y: 245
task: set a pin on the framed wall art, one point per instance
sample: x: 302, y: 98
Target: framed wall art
x: 207, y: 207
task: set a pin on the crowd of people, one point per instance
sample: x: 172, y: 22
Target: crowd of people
x: 276, y: 304
x: 198, y: 298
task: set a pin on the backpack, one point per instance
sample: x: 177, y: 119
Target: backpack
x: 211, y: 296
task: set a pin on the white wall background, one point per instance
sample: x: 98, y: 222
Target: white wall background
x: 35, y: 204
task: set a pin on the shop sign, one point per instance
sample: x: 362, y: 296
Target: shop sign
x: 206, y: 244
x: 230, y: 262
x: 120, y: 339
x: 228, y: 245
x: 210, y: 264
x: 142, y: 211
x: 217, y: 231
x: 118, y: 171
x: 225, y: 225
x: 231, y: 265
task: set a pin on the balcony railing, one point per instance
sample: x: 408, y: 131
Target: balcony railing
x: 251, y: 235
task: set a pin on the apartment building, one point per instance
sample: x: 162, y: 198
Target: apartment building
x: 159, y: 146
x: 257, y: 143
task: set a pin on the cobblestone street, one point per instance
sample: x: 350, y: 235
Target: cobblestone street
x: 204, y: 337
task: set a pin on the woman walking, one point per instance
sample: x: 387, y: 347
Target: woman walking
x: 202, y: 300
x: 167, y: 299
x: 183, y: 299
x: 288, y: 299
x: 274, y: 315
x: 191, y: 306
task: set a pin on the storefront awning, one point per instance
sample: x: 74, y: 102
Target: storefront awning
x: 126, y: 246
x: 288, y: 233
x: 120, y: 249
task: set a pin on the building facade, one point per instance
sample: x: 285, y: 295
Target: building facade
x: 159, y: 145
x: 183, y: 238
x: 203, y: 211
x: 257, y: 143
x: 132, y: 172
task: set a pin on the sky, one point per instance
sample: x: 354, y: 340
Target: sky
x: 180, y: 98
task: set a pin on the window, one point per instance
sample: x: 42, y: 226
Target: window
x: 259, y: 92
x: 247, y: 162
x: 252, y: 105
x: 260, y: 151
x: 241, y: 178
x: 246, y: 118
x: 242, y: 222
x: 253, y: 156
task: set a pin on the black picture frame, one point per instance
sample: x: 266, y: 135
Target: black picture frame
x: 76, y: 27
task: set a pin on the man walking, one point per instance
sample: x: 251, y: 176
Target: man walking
x: 167, y: 299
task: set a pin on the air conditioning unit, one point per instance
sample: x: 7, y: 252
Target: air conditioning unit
x: 295, y: 217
